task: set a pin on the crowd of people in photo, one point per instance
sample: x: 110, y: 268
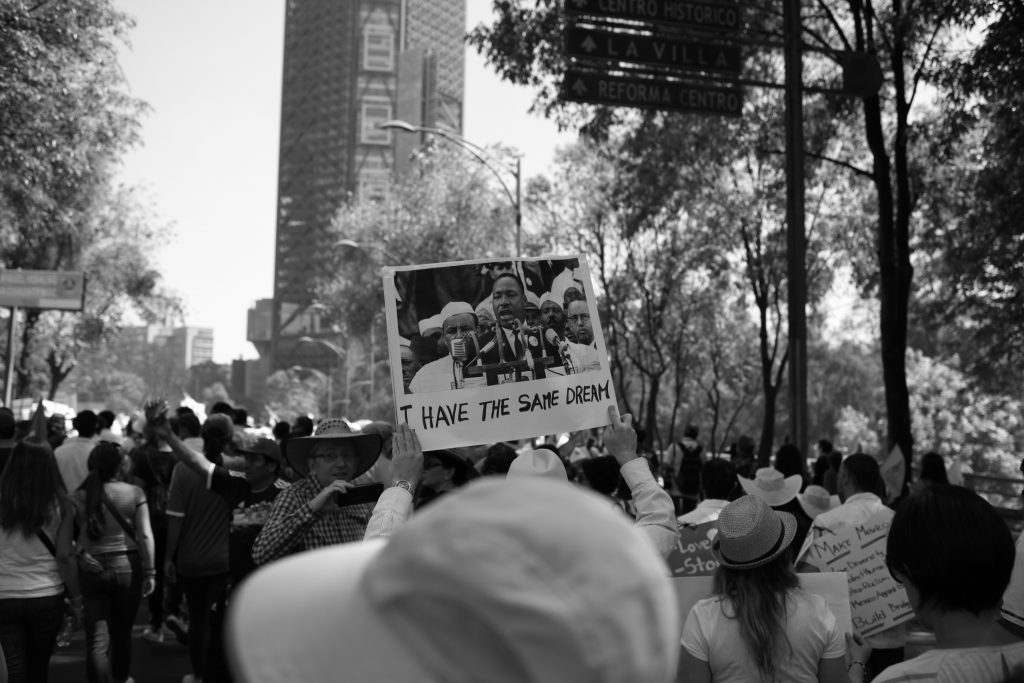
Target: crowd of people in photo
x: 333, y: 550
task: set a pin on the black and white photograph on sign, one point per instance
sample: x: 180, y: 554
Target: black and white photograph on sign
x: 489, y: 343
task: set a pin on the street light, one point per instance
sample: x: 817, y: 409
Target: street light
x: 481, y: 155
x: 340, y: 353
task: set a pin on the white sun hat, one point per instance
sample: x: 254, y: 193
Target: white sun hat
x: 507, y: 581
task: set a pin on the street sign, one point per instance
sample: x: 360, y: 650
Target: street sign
x: 650, y: 93
x: 53, y: 289
x: 592, y: 43
x: 720, y: 16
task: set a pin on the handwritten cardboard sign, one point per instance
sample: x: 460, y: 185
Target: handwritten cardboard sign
x: 832, y: 586
x: 877, y: 602
x: 692, y: 555
x: 507, y: 377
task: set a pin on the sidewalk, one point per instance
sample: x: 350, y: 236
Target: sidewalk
x: 165, y: 662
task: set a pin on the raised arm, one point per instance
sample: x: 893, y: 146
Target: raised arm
x: 395, y: 504
x: 157, y: 425
x: 655, y: 514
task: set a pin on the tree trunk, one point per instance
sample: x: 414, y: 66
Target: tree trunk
x: 764, y: 449
x: 651, y: 419
x: 895, y: 275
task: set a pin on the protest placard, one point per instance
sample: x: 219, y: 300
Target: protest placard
x: 877, y: 602
x: 485, y: 351
x: 692, y: 555
x: 832, y: 586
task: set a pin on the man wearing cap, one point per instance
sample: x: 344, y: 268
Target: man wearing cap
x: 860, y: 483
x: 446, y: 373
x: 307, y: 514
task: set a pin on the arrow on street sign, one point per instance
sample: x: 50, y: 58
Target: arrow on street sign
x: 652, y: 50
x: 719, y: 16
x: 651, y: 93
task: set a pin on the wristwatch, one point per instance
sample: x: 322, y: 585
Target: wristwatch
x: 403, y: 484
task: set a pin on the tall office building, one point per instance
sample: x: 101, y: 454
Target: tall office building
x: 348, y: 66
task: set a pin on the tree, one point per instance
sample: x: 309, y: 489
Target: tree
x: 447, y: 209
x: 65, y: 118
x: 910, y: 40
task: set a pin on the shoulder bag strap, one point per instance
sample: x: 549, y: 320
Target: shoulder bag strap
x: 45, y: 538
x: 128, y: 530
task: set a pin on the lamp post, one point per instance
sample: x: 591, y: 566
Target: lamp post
x: 481, y: 155
x: 340, y: 353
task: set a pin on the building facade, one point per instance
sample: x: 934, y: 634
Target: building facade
x: 349, y: 65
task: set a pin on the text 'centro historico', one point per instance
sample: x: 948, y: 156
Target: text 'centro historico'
x: 720, y: 16
x: 652, y: 94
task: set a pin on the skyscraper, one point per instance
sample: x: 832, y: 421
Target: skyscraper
x: 348, y: 66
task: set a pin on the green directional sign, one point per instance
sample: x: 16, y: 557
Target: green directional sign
x: 651, y: 93
x: 594, y: 43
x: 48, y: 289
x: 719, y: 16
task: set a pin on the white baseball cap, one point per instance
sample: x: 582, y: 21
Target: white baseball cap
x: 504, y: 580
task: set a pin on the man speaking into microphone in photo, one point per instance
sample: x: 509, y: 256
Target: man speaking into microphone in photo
x: 458, y: 332
x: 516, y: 348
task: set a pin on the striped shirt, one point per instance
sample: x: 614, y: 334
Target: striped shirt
x: 294, y: 527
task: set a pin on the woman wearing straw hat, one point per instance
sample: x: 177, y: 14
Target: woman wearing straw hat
x: 759, y: 625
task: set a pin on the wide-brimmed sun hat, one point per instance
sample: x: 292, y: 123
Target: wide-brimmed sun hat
x: 770, y: 486
x: 538, y: 462
x: 333, y: 430
x: 505, y: 581
x: 815, y: 500
x: 750, y: 534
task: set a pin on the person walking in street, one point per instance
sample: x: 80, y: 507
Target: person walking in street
x: 115, y: 560
x: 37, y: 562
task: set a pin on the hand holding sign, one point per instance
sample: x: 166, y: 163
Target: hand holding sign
x: 619, y: 436
x: 407, y: 456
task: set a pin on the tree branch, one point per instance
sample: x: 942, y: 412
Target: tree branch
x: 835, y: 24
x: 838, y: 162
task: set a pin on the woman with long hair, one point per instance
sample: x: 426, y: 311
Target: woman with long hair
x: 759, y: 626
x: 116, y: 560
x: 37, y: 562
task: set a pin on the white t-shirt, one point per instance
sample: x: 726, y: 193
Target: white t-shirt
x: 956, y: 665
x: 713, y: 636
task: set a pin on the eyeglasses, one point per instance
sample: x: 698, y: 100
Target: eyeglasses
x: 432, y: 465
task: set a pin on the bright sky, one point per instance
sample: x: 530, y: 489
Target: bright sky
x: 211, y: 72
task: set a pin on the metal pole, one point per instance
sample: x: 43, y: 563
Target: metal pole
x: 11, y: 355
x: 519, y: 207
x: 796, y: 242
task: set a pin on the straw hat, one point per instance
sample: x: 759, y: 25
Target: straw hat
x: 815, y: 500
x: 770, y: 486
x: 750, y: 534
x: 332, y: 429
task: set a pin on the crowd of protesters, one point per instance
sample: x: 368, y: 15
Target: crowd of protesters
x: 322, y: 550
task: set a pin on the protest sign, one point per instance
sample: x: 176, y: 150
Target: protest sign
x: 692, y: 555
x: 893, y: 472
x: 877, y: 602
x: 485, y: 351
x: 831, y: 586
